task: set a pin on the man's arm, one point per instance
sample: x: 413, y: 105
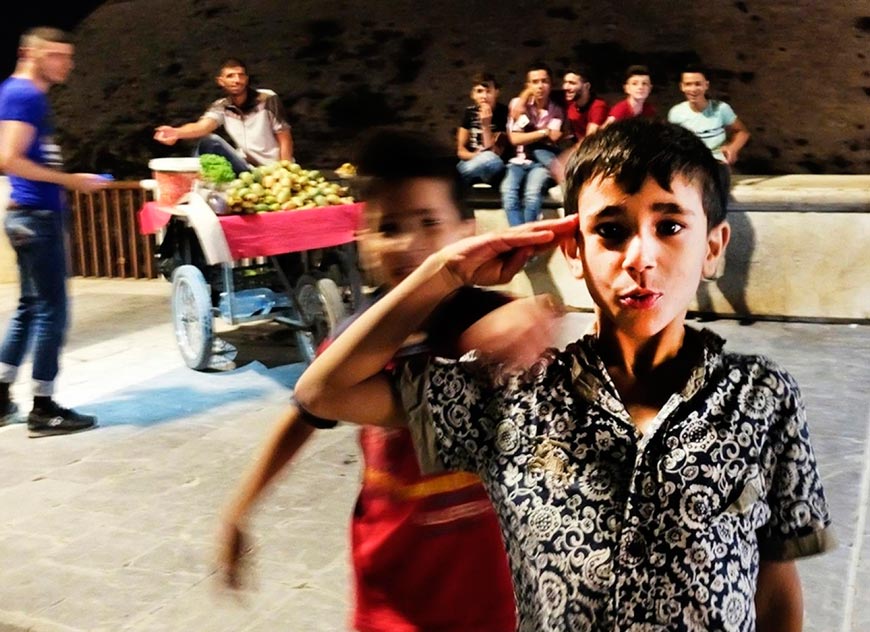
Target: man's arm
x: 285, y: 143
x: 461, y: 141
x: 169, y: 135
x: 15, y: 138
x: 597, y: 117
x: 346, y: 381
x: 778, y: 597
x: 738, y: 136
x: 535, y: 136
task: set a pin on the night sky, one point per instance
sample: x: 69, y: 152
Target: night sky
x: 62, y: 15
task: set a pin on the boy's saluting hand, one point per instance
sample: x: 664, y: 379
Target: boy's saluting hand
x: 494, y: 258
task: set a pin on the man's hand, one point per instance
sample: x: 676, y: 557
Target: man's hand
x: 730, y: 153
x: 166, y: 134
x: 485, y: 114
x: 494, y: 258
x: 87, y: 182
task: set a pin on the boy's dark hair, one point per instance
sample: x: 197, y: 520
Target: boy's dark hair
x: 695, y: 67
x: 632, y: 149
x: 484, y: 79
x: 46, y: 34
x: 233, y: 62
x: 386, y: 156
x: 635, y: 70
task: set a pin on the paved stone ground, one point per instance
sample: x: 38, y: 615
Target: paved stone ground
x: 113, y: 530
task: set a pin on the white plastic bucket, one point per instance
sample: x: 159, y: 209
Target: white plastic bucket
x: 175, y: 177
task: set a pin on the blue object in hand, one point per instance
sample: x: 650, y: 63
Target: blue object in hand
x: 107, y: 176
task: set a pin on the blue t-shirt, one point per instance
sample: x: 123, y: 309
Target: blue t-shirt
x: 709, y: 125
x: 21, y: 100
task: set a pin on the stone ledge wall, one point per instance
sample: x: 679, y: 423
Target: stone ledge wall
x: 795, y: 71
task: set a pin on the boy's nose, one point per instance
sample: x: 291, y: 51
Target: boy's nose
x: 639, y: 253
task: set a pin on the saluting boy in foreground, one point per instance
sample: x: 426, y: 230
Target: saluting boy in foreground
x: 644, y: 478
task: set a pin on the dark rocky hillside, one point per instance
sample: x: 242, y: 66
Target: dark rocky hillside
x: 796, y: 72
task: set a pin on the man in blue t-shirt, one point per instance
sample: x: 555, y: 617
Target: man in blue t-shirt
x: 714, y: 122
x: 34, y: 223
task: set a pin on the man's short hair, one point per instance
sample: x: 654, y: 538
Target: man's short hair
x: 387, y: 156
x: 484, y: 79
x: 233, y: 62
x: 45, y: 34
x: 636, y: 70
x: 633, y: 149
x: 539, y: 65
x: 581, y: 70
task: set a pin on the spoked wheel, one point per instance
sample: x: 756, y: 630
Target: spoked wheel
x: 340, y: 265
x: 192, y: 316
x: 321, y: 308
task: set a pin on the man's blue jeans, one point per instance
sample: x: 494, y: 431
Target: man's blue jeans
x: 38, y: 238
x: 485, y: 167
x: 214, y: 144
x: 527, y: 180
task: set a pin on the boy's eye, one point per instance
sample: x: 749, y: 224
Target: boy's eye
x: 388, y: 229
x: 430, y: 221
x: 611, y: 232
x: 669, y: 227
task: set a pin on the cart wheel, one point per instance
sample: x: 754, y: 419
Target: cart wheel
x: 321, y: 307
x: 192, y: 316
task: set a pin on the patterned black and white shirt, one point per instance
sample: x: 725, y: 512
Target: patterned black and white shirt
x: 610, y: 529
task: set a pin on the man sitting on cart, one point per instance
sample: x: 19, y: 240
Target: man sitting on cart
x: 253, y: 119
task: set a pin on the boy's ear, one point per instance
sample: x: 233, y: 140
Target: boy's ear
x: 571, y: 247
x: 717, y: 242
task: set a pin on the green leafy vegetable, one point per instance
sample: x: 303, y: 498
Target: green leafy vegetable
x: 215, y: 168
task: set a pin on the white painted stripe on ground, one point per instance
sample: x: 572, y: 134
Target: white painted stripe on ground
x: 858, y: 539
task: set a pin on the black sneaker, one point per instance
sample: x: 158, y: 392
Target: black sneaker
x: 56, y: 420
x: 8, y: 412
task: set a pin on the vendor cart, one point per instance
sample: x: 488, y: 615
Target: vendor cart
x: 298, y: 268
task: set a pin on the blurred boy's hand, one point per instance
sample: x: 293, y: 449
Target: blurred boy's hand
x: 516, y: 334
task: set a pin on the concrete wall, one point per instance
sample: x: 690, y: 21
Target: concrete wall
x: 800, y: 249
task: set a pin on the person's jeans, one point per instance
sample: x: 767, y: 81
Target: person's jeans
x: 485, y: 167
x: 530, y: 178
x: 214, y: 144
x: 38, y: 239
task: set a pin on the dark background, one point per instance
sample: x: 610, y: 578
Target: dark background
x: 795, y: 72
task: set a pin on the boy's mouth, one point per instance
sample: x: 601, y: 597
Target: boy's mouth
x: 640, y: 299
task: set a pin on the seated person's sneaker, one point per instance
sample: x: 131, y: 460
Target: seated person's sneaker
x: 556, y: 193
x: 8, y: 412
x: 54, y: 420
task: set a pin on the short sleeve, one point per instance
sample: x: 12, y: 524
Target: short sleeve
x: 598, y: 112
x: 22, y: 106
x: 215, y: 112
x: 799, y: 519
x: 276, y: 109
x: 726, y: 114
x: 673, y: 115
x: 557, y: 116
x: 444, y: 400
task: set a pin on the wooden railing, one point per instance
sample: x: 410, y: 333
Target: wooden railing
x: 105, y: 234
